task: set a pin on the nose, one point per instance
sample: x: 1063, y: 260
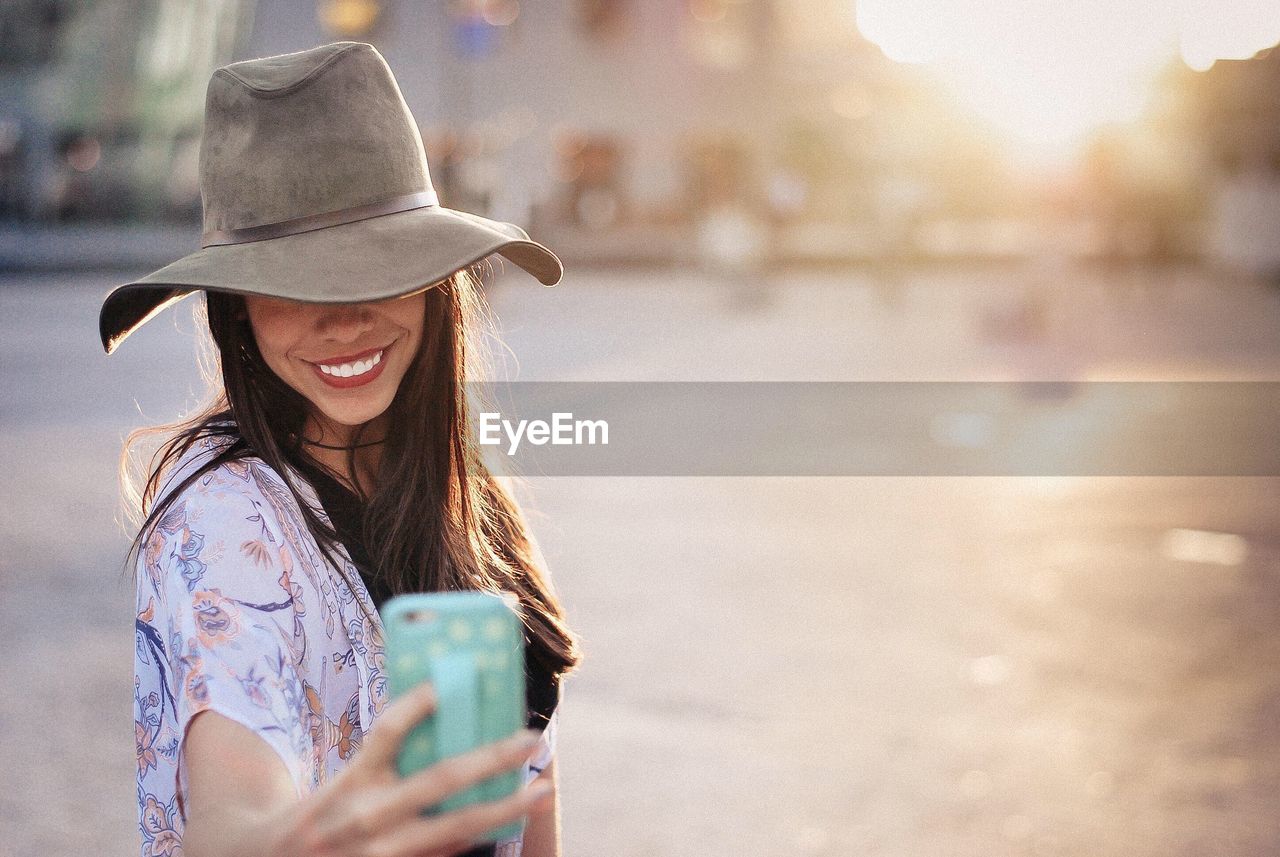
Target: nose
x: 344, y: 322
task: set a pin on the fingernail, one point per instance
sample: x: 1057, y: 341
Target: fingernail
x: 528, y: 738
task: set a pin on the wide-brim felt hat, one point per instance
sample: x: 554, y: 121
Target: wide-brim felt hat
x: 315, y: 187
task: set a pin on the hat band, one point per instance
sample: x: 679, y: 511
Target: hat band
x: 311, y: 222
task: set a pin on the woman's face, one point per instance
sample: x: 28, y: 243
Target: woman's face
x: 345, y: 359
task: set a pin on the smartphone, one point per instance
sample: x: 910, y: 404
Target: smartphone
x: 470, y: 647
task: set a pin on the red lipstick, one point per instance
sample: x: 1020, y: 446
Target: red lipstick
x: 342, y: 382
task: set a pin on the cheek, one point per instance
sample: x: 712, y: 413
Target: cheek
x: 275, y: 330
x: 271, y: 346
x: 410, y: 316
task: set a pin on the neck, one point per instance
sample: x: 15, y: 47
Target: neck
x: 339, y: 443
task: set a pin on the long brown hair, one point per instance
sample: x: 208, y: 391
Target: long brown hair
x: 438, y: 519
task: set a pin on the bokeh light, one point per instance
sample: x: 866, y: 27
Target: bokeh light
x: 1049, y: 74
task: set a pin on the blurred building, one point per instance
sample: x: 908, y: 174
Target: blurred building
x: 1198, y: 175
x: 1237, y: 113
x: 613, y: 127
x: 101, y: 103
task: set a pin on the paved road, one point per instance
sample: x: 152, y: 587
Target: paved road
x: 894, y: 666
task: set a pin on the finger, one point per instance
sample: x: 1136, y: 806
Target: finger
x: 409, y: 797
x: 427, y: 788
x: 442, y: 834
x: 395, y: 724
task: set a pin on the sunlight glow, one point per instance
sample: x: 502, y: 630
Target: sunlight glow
x: 1049, y: 73
x: 1211, y: 30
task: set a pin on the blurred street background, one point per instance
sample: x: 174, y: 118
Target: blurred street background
x: 741, y: 190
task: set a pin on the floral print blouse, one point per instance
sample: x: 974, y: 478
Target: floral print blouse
x: 239, y: 612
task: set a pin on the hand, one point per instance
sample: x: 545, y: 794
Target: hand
x: 369, y: 810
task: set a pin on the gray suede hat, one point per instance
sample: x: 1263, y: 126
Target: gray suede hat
x: 315, y: 188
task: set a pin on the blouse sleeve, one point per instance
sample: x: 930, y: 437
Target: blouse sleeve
x: 214, y: 585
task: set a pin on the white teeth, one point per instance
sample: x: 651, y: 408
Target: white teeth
x: 348, y: 370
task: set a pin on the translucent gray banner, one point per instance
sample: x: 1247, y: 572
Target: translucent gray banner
x: 1122, y: 428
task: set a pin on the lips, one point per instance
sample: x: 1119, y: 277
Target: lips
x: 351, y: 370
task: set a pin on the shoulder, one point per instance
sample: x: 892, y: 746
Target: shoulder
x: 213, y: 495
x: 230, y: 524
x: 223, y: 489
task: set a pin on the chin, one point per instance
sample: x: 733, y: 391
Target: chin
x: 354, y: 416
x: 355, y: 420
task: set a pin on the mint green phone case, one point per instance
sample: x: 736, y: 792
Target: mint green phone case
x: 470, y: 647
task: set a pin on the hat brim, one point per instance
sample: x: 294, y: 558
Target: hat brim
x: 366, y: 260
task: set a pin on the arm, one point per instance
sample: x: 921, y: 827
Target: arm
x: 542, y: 832
x: 238, y: 788
x: 214, y: 667
x: 242, y: 803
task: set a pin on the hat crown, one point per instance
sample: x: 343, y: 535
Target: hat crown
x: 303, y: 134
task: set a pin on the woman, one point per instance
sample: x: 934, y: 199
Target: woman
x: 336, y: 468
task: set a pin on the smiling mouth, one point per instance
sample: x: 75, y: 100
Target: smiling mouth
x: 352, y: 370
x: 349, y: 368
